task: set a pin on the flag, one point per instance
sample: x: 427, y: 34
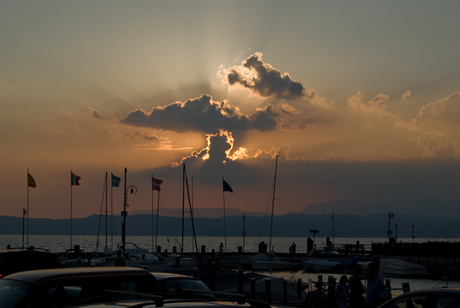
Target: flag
x: 115, y: 181
x: 75, y: 180
x: 156, y: 184
x: 226, y: 186
x: 30, y: 181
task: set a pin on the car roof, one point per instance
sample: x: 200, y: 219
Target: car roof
x: 37, y: 276
x: 430, y: 292
x: 164, y: 275
x: 433, y: 291
x: 175, y: 303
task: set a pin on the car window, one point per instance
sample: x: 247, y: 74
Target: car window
x: 177, y: 285
x: 11, y: 292
x: 448, y: 302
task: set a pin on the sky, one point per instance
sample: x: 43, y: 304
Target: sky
x: 360, y: 99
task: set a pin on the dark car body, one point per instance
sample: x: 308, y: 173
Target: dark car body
x: 19, y: 260
x: 59, y: 287
x: 432, y: 298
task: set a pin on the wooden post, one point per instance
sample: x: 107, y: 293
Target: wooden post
x: 299, y: 288
x: 241, y: 281
x: 268, y: 290
x: 285, y: 291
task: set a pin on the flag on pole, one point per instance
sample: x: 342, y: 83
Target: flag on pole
x: 156, y: 184
x: 226, y: 186
x: 75, y: 180
x: 31, y: 181
x: 115, y: 181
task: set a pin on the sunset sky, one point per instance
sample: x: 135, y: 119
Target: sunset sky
x: 360, y: 99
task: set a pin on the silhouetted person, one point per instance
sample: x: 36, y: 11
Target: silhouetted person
x: 119, y: 260
x: 342, y: 292
x: 375, y: 292
x: 357, y: 289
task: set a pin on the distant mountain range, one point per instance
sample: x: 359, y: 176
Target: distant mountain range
x: 405, y: 206
x: 200, y: 212
x: 431, y: 218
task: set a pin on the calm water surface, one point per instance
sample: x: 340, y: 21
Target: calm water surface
x: 58, y: 243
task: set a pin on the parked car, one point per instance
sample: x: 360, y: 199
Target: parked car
x: 18, y: 260
x: 179, y: 284
x: 178, y: 303
x: 59, y: 287
x: 432, y: 298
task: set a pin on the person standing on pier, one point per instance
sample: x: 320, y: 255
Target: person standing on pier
x: 342, y: 292
x: 357, y: 288
x: 221, y: 249
x: 119, y: 260
x: 375, y: 292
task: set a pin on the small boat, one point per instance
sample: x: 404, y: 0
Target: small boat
x: 137, y: 253
x: 181, y: 261
x: 401, y: 268
x: 76, y: 257
x: 319, y: 265
x: 263, y: 262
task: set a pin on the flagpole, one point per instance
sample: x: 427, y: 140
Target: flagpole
x: 183, y: 205
x: 23, y: 215
x: 153, y: 250
x: 225, y: 224
x: 111, y: 205
x: 158, y: 210
x: 106, y: 191
x: 71, y: 209
x: 27, y: 207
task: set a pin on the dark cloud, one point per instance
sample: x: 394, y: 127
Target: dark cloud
x: 203, y: 115
x: 266, y: 81
x: 95, y: 113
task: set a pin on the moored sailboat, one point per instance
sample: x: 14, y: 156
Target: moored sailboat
x: 263, y: 262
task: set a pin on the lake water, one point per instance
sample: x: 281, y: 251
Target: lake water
x: 59, y: 243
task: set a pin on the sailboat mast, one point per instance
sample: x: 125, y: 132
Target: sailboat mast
x: 273, y: 207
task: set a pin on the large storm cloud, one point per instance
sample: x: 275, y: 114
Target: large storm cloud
x: 203, y: 115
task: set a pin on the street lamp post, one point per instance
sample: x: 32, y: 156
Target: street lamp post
x: 390, y: 216
x: 125, y: 213
x: 413, y: 236
x: 396, y: 236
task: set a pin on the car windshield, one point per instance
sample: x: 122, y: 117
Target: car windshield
x: 12, y: 291
x: 176, y: 285
x: 179, y: 284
